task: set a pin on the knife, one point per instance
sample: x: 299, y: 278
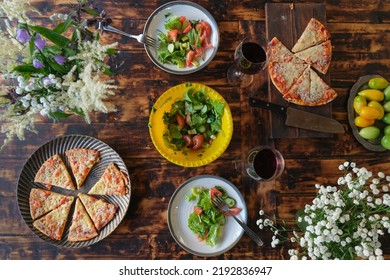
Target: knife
x: 301, y: 119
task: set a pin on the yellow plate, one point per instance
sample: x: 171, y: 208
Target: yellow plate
x: 191, y: 158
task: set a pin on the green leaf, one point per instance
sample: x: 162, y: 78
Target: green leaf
x: 112, y: 51
x: 56, y: 116
x: 107, y: 71
x: 90, y: 12
x: 27, y: 69
x: 63, y: 26
x: 51, y: 35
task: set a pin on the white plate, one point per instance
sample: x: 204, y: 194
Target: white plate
x: 179, y: 210
x: 191, y: 11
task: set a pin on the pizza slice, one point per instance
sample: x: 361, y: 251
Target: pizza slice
x: 82, y: 227
x: 321, y: 92
x: 43, y: 201
x: 278, y: 52
x: 53, y: 224
x: 299, y: 93
x: 318, y: 57
x: 81, y: 162
x: 314, y: 34
x: 53, y: 172
x: 284, y: 74
x: 100, y: 211
x: 112, y: 182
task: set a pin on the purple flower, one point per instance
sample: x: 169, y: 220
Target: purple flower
x: 59, y: 59
x: 22, y: 36
x: 37, y: 64
x: 39, y: 43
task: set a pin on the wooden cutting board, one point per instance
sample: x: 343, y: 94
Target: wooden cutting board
x: 287, y: 21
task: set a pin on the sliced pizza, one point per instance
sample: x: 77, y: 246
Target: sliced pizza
x: 81, y: 162
x: 318, y: 57
x: 299, y: 93
x: 43, y: 201
x: 82, y: 227
x: 278, y: 52
x: 53, y: 172
x: 100, y: 211
x: 314, y: 34
x: 285, y: 74
x: 112, y: 182
x: 53, y: 223
x: 320, y: 92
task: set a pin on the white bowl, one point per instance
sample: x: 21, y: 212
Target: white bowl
x: 191, y: 11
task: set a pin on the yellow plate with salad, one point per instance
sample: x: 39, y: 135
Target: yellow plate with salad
x: 211, y: 118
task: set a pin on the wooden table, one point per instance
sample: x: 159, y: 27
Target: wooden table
x: 361, y: 37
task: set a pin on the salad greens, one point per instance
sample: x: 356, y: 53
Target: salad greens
x: 193, y: 121
x: 206, y: 220
x: 184, y: 42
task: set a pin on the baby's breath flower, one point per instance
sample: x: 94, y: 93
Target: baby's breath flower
x: 343, y: 222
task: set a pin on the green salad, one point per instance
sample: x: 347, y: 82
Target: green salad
x: 206, y: 220
x: 185, y: 41
x: 193, y: 122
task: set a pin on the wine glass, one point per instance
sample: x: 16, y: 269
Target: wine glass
x: 250, y: 57
x: 262, y: 163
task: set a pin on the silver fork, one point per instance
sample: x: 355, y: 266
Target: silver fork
x: 142, y: 38
x: 221, y: 205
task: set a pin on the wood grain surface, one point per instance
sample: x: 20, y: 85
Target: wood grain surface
x: 360, y: 36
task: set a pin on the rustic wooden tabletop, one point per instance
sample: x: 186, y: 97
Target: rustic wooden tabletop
x: 360, y: 36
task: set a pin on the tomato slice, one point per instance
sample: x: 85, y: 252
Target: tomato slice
x: 182, y: 19
x: 206, y: 28
x: 198, y: 140
x: 187, y: 28
x: 215, y: 192
x: 180, y: 121
x: 173, y: 34
x: 199, y: 52
x: 190, y: 57
x: 198, y: 210
x: 235, y: 210
x: 188, y: 140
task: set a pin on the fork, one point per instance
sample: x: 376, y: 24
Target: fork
x: 142, y: 38
x: 221, y: 205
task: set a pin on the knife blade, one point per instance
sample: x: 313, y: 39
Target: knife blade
x: 301, y: 119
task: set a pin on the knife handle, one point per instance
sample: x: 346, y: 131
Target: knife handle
x: 266, y: 105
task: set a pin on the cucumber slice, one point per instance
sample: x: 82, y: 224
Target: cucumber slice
x: 230, y: 202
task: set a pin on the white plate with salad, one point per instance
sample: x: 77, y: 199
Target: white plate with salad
x: 188, y: 36
x: 186, y: 222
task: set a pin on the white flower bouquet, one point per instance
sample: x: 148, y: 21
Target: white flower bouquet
x: 54, y: 72
x: 342, y: 222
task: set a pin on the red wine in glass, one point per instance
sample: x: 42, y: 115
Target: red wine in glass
x: 250, y: 57
x: 264, y: 163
